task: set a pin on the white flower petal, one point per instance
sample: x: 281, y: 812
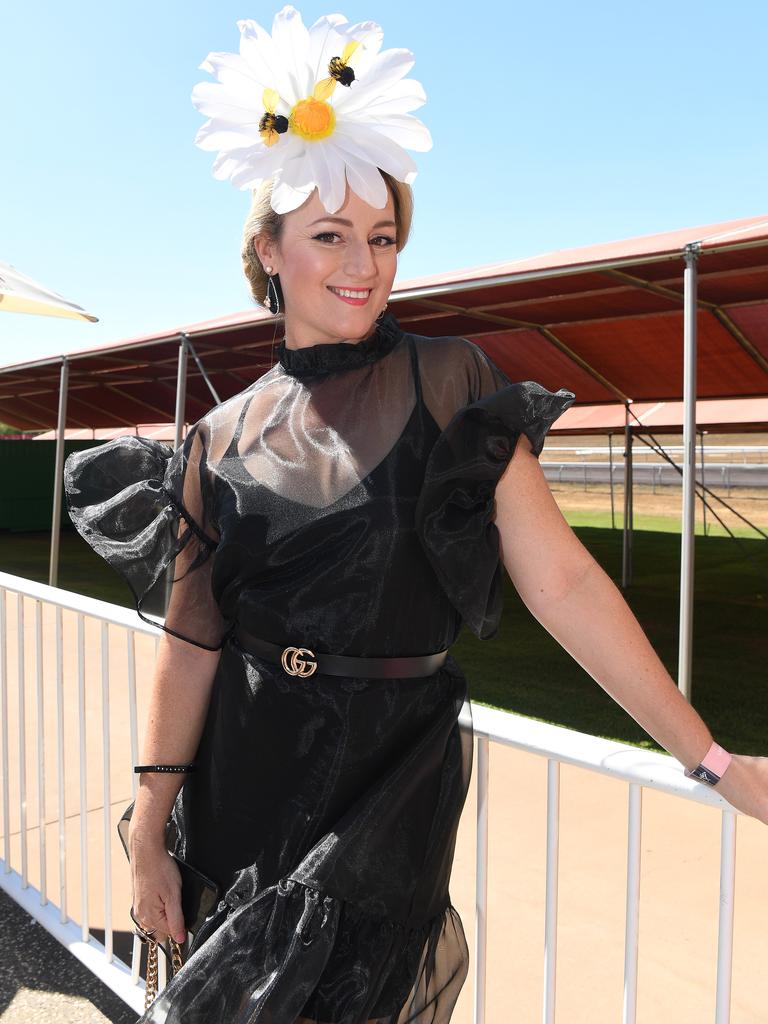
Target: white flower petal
x: 291, y: 40
x: 372, y: 36
x: 217, y: 101
x: 327, y: 170
x: 228, y: 162
x: 366, y: 181
x: 404, y: 129
x: 286, y: 197
x: 386, y: 68
x: 325, y: 41
x: 400, y: 98
x: 217, y: 135
x: 367, y: 144
x: 259, y: 53
x: 231, y: 70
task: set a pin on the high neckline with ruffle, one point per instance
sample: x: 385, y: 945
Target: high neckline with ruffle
x: 331, y: 357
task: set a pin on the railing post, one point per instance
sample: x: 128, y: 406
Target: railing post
x: 4, y: 728
x: 481, y: 880
x: 632, y: 923
x: 40, y: 701
x: 22, y: 737
x: 725, y: 920
x: 550, y: 910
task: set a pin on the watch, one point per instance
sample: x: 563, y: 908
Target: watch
x: 712, y: 767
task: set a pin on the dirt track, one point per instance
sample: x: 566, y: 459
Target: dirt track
x: 748, y: 502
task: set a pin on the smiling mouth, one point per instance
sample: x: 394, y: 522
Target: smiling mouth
x: 356, y: 295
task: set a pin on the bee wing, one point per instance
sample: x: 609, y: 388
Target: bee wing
x: 324, y: 88
x: 269, y: 136
x: 349, y: 49
x: 270, y: 99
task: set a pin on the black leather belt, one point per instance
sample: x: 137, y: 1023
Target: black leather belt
x: 302, y: 662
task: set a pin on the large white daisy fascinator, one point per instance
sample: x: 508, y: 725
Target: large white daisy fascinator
x: 315, y: 107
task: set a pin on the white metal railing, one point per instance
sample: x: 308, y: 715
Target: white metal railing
x: 50, y: 663
x: 637, y: 767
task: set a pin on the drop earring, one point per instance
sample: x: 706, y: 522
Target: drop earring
x: 271, y: 299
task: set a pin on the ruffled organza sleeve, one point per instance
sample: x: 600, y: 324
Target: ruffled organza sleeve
x: 455, y: 510
x: 149, y: 512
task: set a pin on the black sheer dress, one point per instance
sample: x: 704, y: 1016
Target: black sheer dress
x: 343, y: 502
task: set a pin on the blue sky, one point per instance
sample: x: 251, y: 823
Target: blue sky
x: 555, y: 125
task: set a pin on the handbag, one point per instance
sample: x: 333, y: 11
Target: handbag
x: 199, y: 896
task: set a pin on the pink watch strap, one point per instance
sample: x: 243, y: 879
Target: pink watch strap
x: 716, y: 759
x: 712, y: 766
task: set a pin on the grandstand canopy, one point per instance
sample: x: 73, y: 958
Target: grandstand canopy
x: 605, y: 321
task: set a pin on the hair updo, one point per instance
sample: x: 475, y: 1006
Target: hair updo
x: 262, y: 220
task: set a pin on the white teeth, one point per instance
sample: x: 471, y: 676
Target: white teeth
x: 347, y: 293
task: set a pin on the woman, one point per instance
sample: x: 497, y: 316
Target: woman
x: 328, y: 530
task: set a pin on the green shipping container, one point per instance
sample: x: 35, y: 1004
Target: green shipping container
x: 26, y: 492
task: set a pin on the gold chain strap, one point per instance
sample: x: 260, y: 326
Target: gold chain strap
x: 150, y: 992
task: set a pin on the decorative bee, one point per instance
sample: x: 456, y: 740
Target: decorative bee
x: 339, y: 71
x: 271, y: 125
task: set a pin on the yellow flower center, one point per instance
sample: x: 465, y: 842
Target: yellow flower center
x: 312, y: 119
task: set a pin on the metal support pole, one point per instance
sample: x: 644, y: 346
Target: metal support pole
x: 626, y: 553
x: 691, y: 255
x: 181, y: 391
x: 58, y: 473
x: 610, y: 477
x: 181, y: 401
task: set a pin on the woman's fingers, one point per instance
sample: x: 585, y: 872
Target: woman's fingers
x: 157, y: 895
x: 174, y: 916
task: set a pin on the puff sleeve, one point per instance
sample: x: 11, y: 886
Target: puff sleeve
x: 148, y: 511
x: 455, y: 509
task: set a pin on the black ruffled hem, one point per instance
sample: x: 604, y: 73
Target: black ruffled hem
x: 455, y: 508
x: 293, y: 953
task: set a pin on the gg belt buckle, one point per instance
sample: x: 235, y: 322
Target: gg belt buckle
x: 296, y: 665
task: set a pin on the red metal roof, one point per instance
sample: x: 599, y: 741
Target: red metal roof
x: 729, y: 415
x: 604, y: 321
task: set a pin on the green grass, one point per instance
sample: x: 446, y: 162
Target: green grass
x: 524, y: 670
x: 659, y: 523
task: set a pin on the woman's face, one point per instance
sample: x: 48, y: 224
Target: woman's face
x: 336, y: 271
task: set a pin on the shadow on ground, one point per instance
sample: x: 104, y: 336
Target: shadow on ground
x: 41, y: 982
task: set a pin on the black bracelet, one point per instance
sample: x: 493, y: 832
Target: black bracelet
x: 165, y: 767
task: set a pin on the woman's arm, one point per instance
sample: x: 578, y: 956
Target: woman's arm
x: 576, y: 601
x: 181, y: 691
x: 179, y: 700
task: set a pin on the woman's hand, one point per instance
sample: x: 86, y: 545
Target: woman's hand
x: 745, y: 785
x: 156, y: 898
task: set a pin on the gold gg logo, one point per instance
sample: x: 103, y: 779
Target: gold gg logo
x: 295, y: 665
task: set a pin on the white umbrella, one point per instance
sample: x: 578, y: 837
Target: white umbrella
x: 20, y: 294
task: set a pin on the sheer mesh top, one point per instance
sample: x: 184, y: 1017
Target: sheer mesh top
x: 342, y: 501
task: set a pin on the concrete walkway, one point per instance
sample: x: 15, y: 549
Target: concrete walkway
x: 42, y: 983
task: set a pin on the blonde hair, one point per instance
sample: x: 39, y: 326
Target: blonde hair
x: 263, y: 221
